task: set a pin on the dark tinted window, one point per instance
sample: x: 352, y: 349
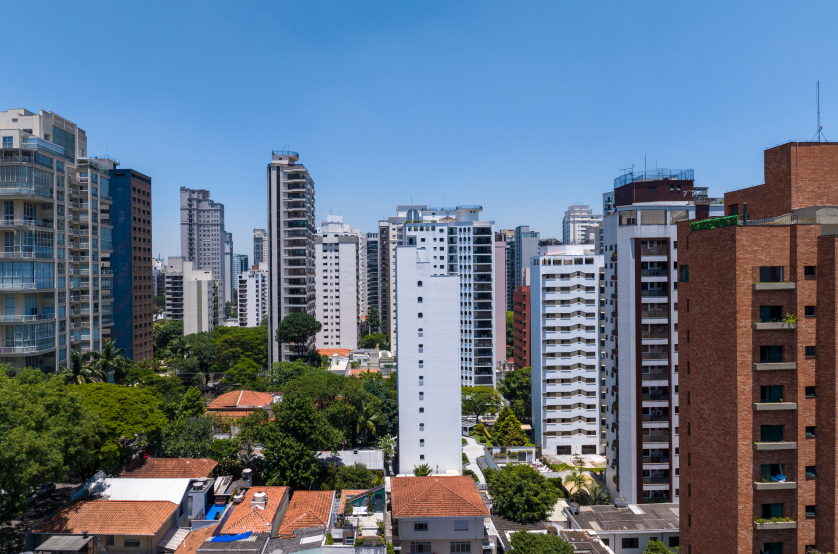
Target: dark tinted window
x: 771, y: 274
x: 771, y: 354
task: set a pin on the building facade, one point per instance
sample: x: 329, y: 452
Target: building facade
x: 372, y: 254
x: 641, y: 330
x: 202, y: 234
x: 202, y: 309
x: 526, y: 247
x: 576, y: 222
x: 240, y: 265
x: 758, y: 362
x: 261, y: 245
x: 253, y: 296
x: 499, y: 303
x: 509, y: 257
x: 58, y: 288
x: 521, y: 329
x: 337, y: 283
x: 429, y: 386
x: 131, y: 262
x: 291, y: 233
x: 228, y: 267
x: 565, y: 350
x: 173, y: 280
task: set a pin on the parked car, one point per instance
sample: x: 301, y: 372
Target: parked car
x: 45, y: 489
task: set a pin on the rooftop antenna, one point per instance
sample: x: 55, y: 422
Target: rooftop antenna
x: 819, y: 135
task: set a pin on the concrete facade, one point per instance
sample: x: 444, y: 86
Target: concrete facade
x: 202, y: 234
x: 229, y: 277
x: 337, y: 283
x: 261, y: 245
x: 201, y: 299
x: 371, y: 251
x: 577, y: 221
x: 429, y: 385
x: 253, y: 296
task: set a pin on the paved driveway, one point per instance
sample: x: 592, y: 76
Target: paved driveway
x: 12, y: 535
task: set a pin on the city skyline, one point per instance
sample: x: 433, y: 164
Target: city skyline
x: 573, y: 103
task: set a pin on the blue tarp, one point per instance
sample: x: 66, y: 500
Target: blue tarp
x: 231, y: 538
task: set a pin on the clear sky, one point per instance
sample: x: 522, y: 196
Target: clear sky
x: 523, y: 107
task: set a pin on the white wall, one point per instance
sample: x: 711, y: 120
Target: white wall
x: 427, y: 358
x: 336, y: 271
x: 198, y: 292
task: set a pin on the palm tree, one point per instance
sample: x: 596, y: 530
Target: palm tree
x: 593, y: 496
x: 80, y: 371
x: 110, y: 359
x: 368, y: 418
x: 577, y: 478
x: 178, y: 348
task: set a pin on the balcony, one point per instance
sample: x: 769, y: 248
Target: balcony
x: 22, y: 189
x: 44, y: 224
x: 655, y: 459
x: 775, y: 366
x: 781, y: 285
x: 15, y: 350
x: 774, y: 525
x: 774, y: 485
x: 656, y: 438
x: 780, y: 445
x: 773, y: 326
x: 774, y: 406
x: 654, y: 377
x: 25, y: 318
x: 656, y: 417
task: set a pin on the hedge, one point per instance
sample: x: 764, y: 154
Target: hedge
x: 714, y: 222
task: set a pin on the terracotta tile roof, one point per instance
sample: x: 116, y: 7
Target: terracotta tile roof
x: 436, y: 496
x: 168, y: 468
x: 235, y: 415
x: 250, y: 518
x: 360, y: 370
x: 342, y: 352
x: 195, y: 539
x: 110, y: 517
x: 241, y: 399
x: 348, y: 494
x: 307, y: 509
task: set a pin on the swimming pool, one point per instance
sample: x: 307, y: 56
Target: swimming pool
x: 215, y: 512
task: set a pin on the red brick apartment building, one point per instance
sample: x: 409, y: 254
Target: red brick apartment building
x: 758, y: 386
x: 521, y: 327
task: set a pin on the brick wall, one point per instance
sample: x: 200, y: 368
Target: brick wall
x: 521, y: 344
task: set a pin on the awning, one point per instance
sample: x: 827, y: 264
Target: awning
x: 231, y: 538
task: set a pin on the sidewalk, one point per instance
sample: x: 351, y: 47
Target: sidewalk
x: 474, y: 450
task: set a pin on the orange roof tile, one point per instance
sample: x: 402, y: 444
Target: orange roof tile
x: 246, y: 518
x: 241, y: 399
x: 307, y: 509
x: 343, y: 352
x: 110, y: 517
x: 360, y: 370
x: 195, y: 539
x: 349, y: 493
x: 436, y: 496
x: 168, y: 468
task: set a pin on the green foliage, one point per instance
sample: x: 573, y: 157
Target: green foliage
x: 298, y: 330
x: 356, y: 476
x: 235, y: 342
x: 226, y: 453
x: 367, y: 419
x: 110, y: 359
x: 522, y: 494
x: 80, y: 370
x: 507, y: 430
x: 127, y: 413
x: 422, y: 470
x: 297, y: 416
x: 187, y: 438
x: 281, y: 373
x: 480, y: 400
x: 192, y: 404
x: 390, y: 548
x: 490, y: 475
x: 465, y: 442
x: 203, y: 349
x: 168, y: 390
x: 592, y: 495
x: 159, y: 302
x: 387, y: 444
x: 516, y: 388
x: 385, y: 391
x: 539, y: 543
x: 473, y: 475
x: 465, y: 458
x: 244, y: 375
x: 510, y: 326
x: 164, y: 331
x: 373, y: 320
x: 379, y: 341
x: 329, y: 540
x: 654, y: 546
x: 714, y: 223
x: 288, y: 462
x: 46, y: 430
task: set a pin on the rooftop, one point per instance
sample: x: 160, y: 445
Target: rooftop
x: 372, y: 458
x: 64, y: 543
x: 241, y: 399
x: 110, y: 517
x: 661, y: 174
x: 168, y: 468
x: 195, y: 539
x: 253, y: 543
x: 645, y: 517
x: 307, y: 509
x: 246, y: 517
x: 172, y: 490
x: 306, y: 539
x: 436, y: 496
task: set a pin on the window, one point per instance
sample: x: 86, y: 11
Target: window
x: 7, y: 142
x: 772, y: 548
x: 771, y: 354
x: 420, y: 526
x: 673, y: 542
x: 809, y: 271
x: 767, y: 511
x: 678, y: 215
x: 811, y: 511
x: 420, y: 299
x: 421, y: 410
x: 771, y: 393
x: 420, y: 547
x: 809, y: 351
x: 684, y: 273
x: 109, y: 540
x: 631, y: 542
x: 460, y: 546
x: 811, y: 471
x: 461, y: 525
x: 810, y: 430
x: 734, y: 209
x: 771, y: 274
x: 628, y: 217
x: 420, y: 315
x: 768, y: 314
x: 809, y: 311
x: 810, y: 392
x: 419, y: 284
x: 771, y: 433
x: 653, y: 217
x: 131, y: 542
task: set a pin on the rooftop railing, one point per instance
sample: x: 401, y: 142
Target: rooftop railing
x: 661, y: 174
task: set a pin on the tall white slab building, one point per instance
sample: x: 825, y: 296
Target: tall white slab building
x: 429, y: 384
x: 337, y: 283
x: 201, y: 298
x: 253, y: 296
x: 202, y: 234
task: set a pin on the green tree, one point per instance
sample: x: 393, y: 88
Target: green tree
x: 281, y: 373
x: 387, y: 444
x: 373, y: 320
x: 159, y: 303
x: 187, y: 437
x: 192, y: 404
x: 244, y: 375
x: 178, y: 348
x: 80, y: 370
x: 203, y: 349
x: 422, y: 470
x: 110, y: 359
x: 46, y: 430
x: 516, y: 388
x: 288, y: 462
x: 379, y: 341
x: 299, y: 419
x: 592, y: 495
x: 507, y: 430
x: 298, y: 330
x: 522, y: 494
x: 480, y: 400
x: 164, y: 331
x: 130, y: 416
x: 539, y: 543
x: 168, y: 389
x: 577, y: 478
x: 654, y: 546
x: 235, y: 342
x: 226, y: 453
x: 356, y: 476
x: 510, y: 333
x: 368, y: 418
x: 385, y: 391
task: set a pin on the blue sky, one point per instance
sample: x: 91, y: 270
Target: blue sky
x: 522, y: 107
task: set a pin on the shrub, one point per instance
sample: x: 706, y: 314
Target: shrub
x: 465, y: 459
x: 473, y: 475
x: 329, y: 540
x: 714, y: 223
x: 422, y: 471
x: 465, y: 442
x: 522, y: 494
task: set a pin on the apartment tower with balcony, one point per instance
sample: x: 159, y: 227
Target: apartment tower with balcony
x: 337, y: 283
x: 57, y: 236
x: 253, y: 296
x: 228, y: 267
x: 291, y: 233
x: 577, y: 221
x: 565, y: 292
x: 372, y: 254
x: 202, y: 234
x: 173, y: 281
x: 260, y: 246
x: 759, y: 360
x: 641, y: 246
x: 131, y: 261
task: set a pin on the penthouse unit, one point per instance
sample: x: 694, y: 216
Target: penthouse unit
x: 202, y: 234
x: 565, y: 341
x: 131, y: 261
x: 577, y: 223
x: 429, y: 384
x: 261, y: 244
x: 253, y: 296
x: 640, y: 248
x: 758, y: 360
x: 58, y: 238
x: 291, y: 232
x: 337, y: 283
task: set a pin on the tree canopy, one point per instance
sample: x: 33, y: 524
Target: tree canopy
x: 507, y: 430
x: 379, y: 341
x: 192, y: 404
x: 539, y: 543
x: 654, y: 546
x: 187, y: 437
x: 522, y: 494
x: 480, y: 400
x: 298, y: 330
x: 516, y: 388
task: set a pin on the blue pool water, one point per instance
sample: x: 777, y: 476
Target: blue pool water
x: 211, y: 513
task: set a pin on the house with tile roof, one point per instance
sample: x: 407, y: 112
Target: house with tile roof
x: 305, y: 524
x: 169, y: 468
x: 117, y: 525
x: 234, y: 405
x: 439, y: 513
